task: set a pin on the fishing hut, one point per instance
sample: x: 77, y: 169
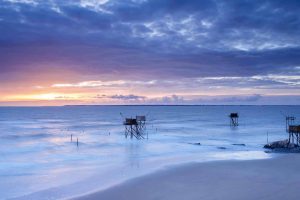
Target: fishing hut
x: 234, y: 119
x: 289, y: 121
x: 294, y: 134
x: 135, y: 127
x: 293, y: 130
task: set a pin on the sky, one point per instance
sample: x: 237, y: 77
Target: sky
x: 69, y: 52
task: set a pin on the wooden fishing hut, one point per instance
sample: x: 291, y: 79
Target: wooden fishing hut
x: 293, y: 130
x: 135, y: 127
x: 289, y: 120
x: 294, y: 134
x: 234, y: 119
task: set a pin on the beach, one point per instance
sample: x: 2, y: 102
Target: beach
x: 269, y: 179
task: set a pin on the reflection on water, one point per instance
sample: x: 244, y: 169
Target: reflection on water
x: 37, y: 152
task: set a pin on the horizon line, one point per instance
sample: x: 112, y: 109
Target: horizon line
x: 83, y: 105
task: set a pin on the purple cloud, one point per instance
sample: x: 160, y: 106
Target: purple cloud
x: 153, y: 40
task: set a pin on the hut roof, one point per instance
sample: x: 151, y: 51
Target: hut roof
x: 234, y: 115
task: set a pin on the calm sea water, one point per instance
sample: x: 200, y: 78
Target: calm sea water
x: 39, y: 161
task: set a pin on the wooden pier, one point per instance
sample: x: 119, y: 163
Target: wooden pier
x: 234, y: 119
x: 135, y: 127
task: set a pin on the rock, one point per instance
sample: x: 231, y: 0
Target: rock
x: 239, y: 144
x: 197, y: 143
x: 280, y: 144
x: 221, y: 147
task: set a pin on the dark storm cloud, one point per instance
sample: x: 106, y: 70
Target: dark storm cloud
x: 152, y: 38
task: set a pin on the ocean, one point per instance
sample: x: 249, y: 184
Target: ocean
x: 39, y: 160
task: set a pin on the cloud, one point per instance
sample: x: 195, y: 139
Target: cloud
x: 236, y: 99
x: 123, y: 98
x: 97, y: 84
x: 198, y: 100
x: 252, y: 99
x: 257, y: 81
x: 127, y: 97
x: 86, y: 84
x: 167, y: 100
x: 181, y: 45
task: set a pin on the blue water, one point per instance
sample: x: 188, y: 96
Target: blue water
x: 39, y: 161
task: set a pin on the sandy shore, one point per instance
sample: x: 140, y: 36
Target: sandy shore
x: 277, y: 178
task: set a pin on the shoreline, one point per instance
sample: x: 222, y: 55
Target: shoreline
x: 274, y: 178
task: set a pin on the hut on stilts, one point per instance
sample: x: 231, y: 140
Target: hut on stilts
x: 234, y: 119
x: 293, y: 130
x: 135, y: 127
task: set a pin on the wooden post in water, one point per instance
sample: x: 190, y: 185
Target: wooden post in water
x: 77, y: 142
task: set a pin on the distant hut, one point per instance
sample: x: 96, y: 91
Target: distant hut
x: 234, y: 119
x: 135, y: 127
x: 294, y: 134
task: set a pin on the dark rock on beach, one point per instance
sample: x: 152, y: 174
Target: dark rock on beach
x: 283, y: 144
